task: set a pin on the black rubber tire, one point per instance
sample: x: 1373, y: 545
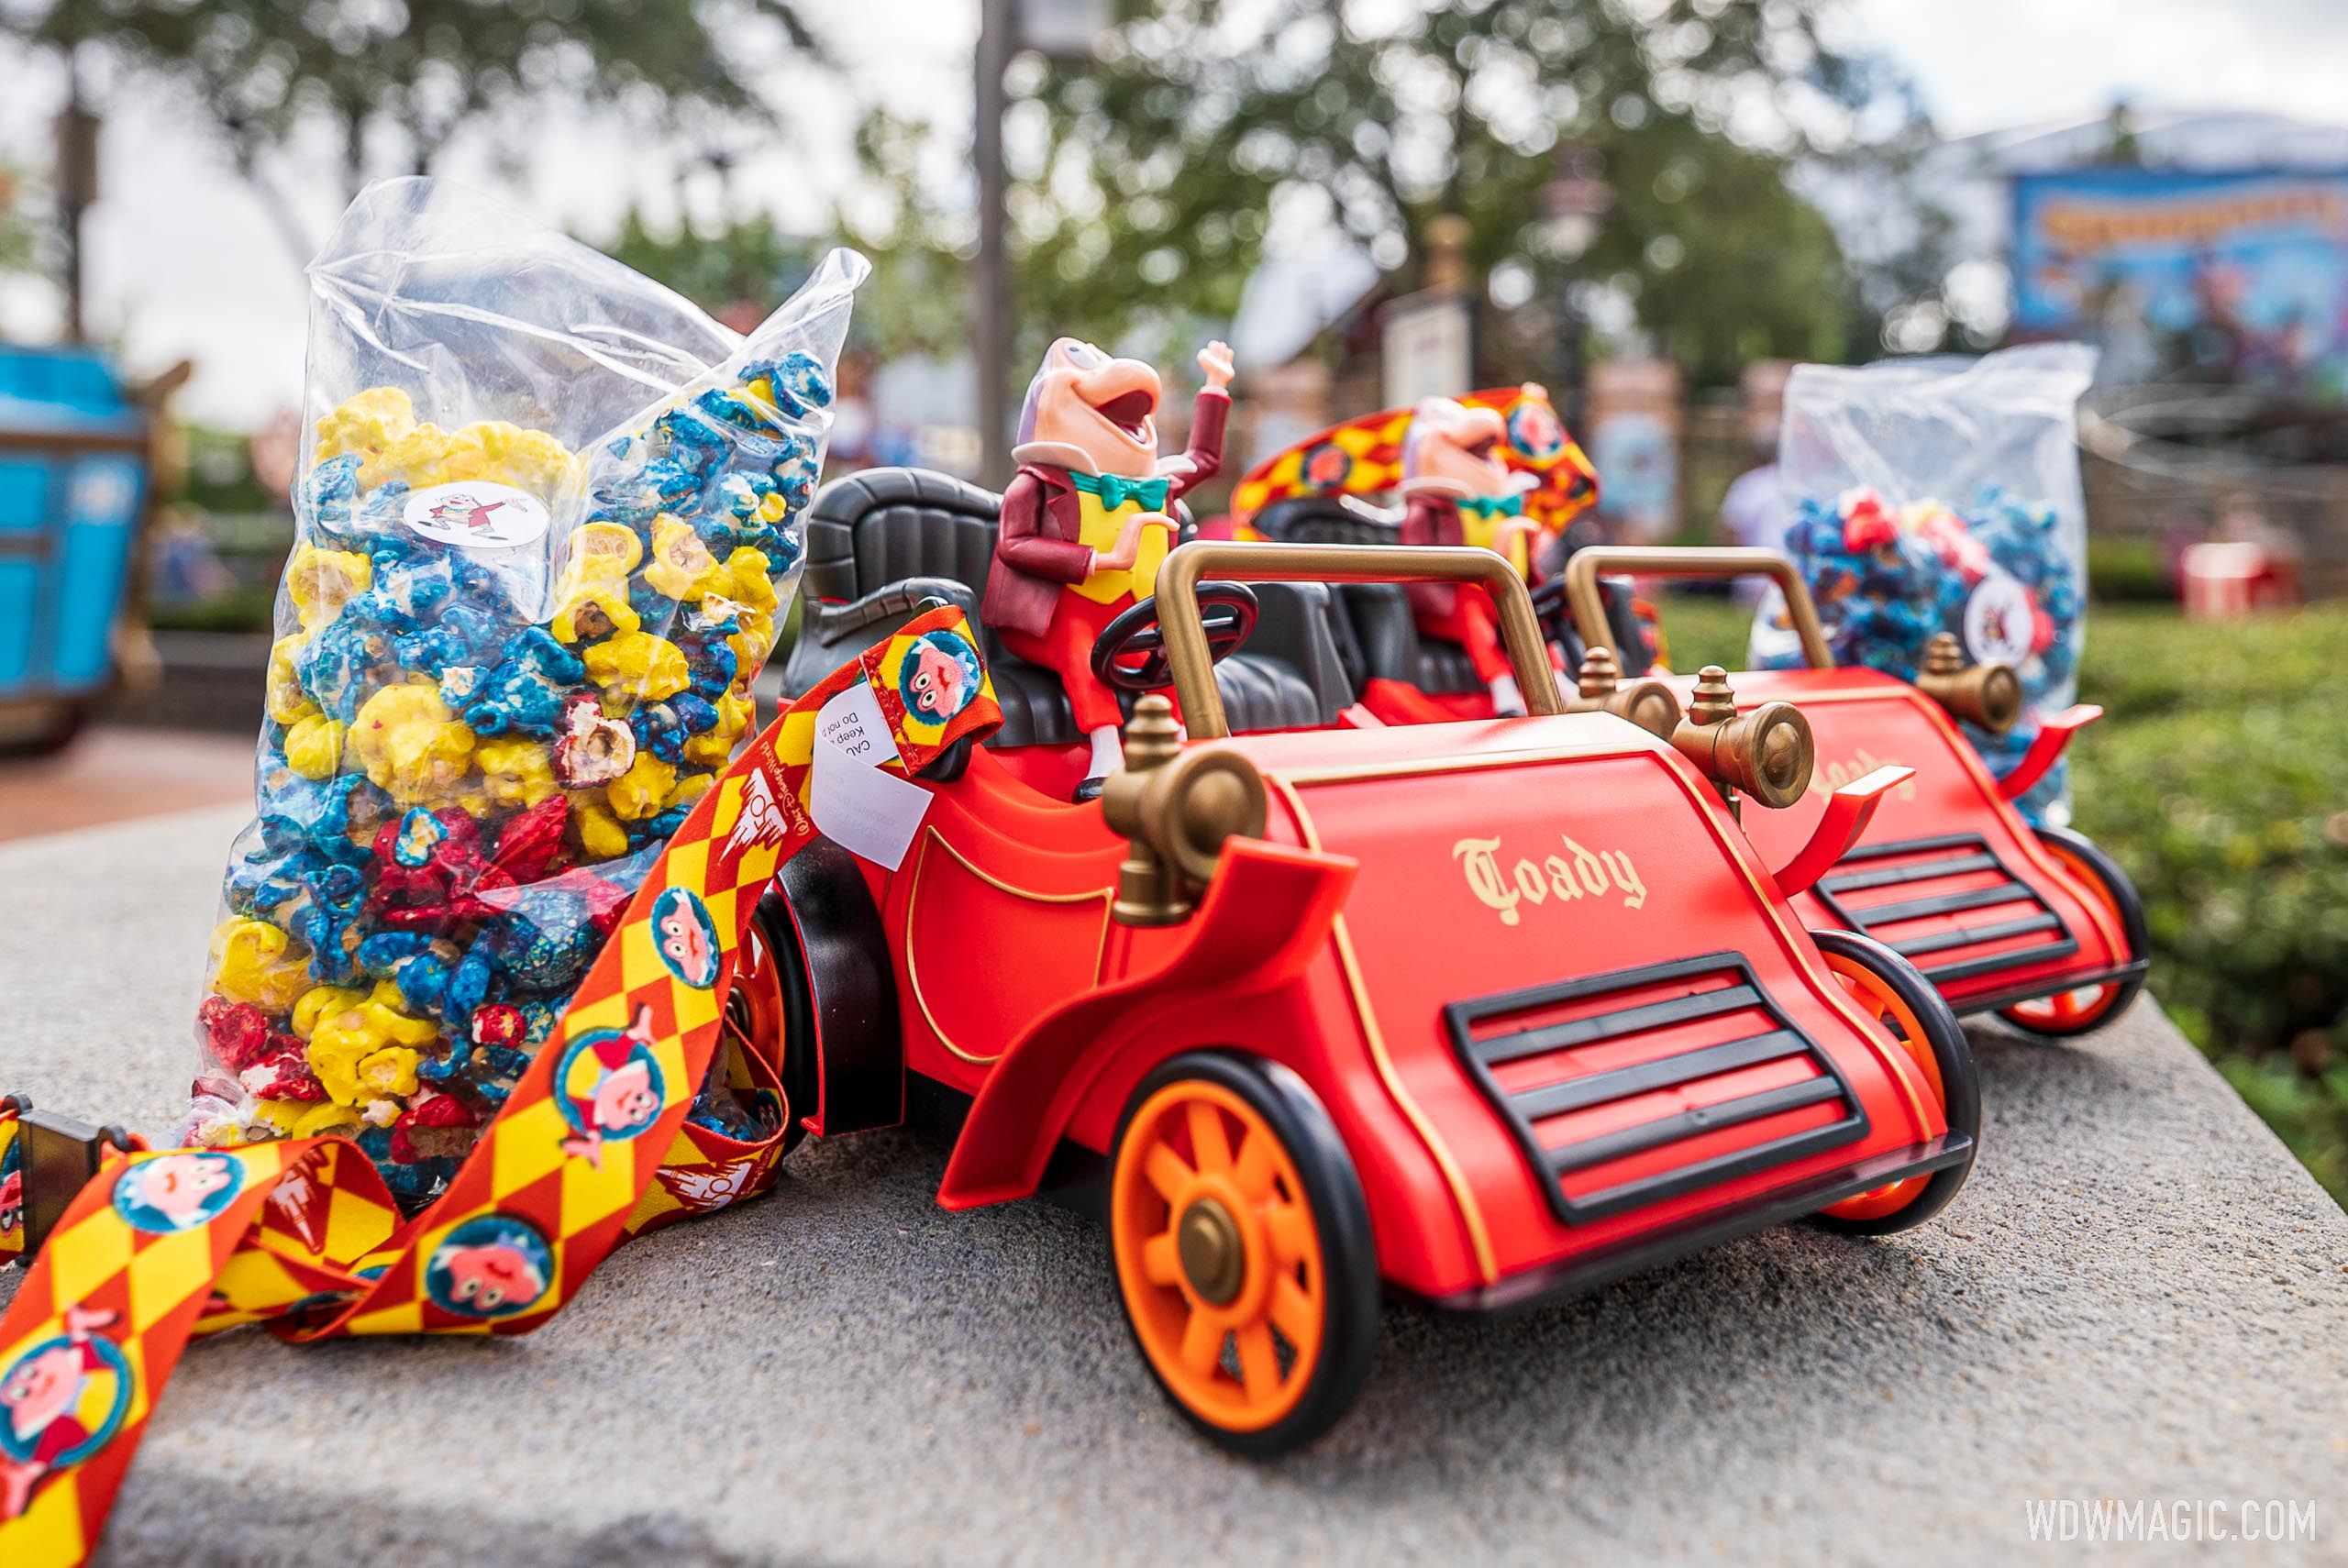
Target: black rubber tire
x: 2132, y: 920
x: 1340, y: 1214
x: 1951, y: 1052
x: 797, y: 1068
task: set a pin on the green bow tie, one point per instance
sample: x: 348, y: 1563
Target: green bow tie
x: 1114, y: 491
x: 1492, y: 507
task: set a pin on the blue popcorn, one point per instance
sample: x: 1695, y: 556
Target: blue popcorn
x: 335, y: 820
x: 344, y: 663
x: 695, y: 714
x: 329, y: 497
x: 660, y: 730
x: 800, y: 385
x: 265, y: 882
x: 525, y: 694
x: 731, y: 408
x: 329, y: 921
x: 414, y: 962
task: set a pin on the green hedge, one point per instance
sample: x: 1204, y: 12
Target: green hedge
x: 2220, y: 779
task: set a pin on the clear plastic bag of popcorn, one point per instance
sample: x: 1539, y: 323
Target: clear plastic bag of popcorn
x: 547, y: 525
x: 1943, y: 495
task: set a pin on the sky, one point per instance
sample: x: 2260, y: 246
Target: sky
x: 184, y: 260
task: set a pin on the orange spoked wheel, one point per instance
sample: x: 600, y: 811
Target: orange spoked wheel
x: 1243, y: 1252
x: 2083, y: 1009
x: 768, y: 1012
x: 1888, y: 990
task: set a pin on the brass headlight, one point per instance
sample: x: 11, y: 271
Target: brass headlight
x: 1646, y: 703
x: 1766, y: 754
x: 1986, y: 694
x: 1176, y: 809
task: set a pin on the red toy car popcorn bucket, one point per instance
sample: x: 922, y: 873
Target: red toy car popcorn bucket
x: 2035, y: 923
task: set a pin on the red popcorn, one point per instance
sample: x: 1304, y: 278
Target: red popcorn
x: 282, y: 1072
x: 497, y: 1024
x: 236, y: 1031
x: 527, y: 847
x: 433, y: 1126
x: 1868, y: 524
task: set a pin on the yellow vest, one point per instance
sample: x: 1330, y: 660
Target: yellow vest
x: 1098, y: 527
x: 1484, y: 532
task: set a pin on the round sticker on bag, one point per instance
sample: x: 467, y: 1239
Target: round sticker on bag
x: 476, y: 515
x: 1998, y: 619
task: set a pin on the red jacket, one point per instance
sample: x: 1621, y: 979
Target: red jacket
x: 1429, y: 519
x: 1035, y: 550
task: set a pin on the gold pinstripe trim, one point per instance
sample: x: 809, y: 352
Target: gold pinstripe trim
x: 912, y: 964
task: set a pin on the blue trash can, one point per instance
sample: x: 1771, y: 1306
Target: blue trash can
x: 73, y: 473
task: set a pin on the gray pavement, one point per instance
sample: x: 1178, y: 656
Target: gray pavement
x: 2139, y: 1297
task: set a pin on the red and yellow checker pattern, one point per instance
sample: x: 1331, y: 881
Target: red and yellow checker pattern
x: 11, y: 1202
x: 304, y: 1234
x: 1364, y: 457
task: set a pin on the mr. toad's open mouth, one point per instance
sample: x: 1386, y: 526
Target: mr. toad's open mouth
x: 1130, y: 413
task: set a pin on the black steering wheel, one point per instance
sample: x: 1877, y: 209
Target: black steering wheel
x: 1227, y: 614
x: 1550, y: 609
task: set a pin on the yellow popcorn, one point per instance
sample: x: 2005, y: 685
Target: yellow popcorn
x: 515, y: 770
x: 637, y: 667
x: 287, y: 702
x: 590, y: 611
x: 322, y: 580
x: 368, y: 423
x: 412, y: 746
x: 323, y: 1002
x: 681, y: 566
x: 643, y: 790
x: 250, y: 963
x: 597, y: 831
x: 314, y: 746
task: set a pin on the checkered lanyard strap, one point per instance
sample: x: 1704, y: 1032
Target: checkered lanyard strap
x: 302, y: 1234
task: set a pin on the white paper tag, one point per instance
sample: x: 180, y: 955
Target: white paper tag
x: 856, y: 804
x: 476, y: 515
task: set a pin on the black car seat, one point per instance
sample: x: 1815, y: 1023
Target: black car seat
x: 1379, y: 635
x: 881, y: 541
x: 1386, y: 640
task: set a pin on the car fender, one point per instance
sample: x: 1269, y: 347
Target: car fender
x: 1265, y: 916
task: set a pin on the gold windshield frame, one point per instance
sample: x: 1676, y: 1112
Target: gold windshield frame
x: 1247, y: 561
x: 1590, y: 562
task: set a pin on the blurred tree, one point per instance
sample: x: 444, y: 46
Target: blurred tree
x: 397, y: 80
x: 738, y: 273
x: 911, y: 305
x: 22, y: 230
x: 1152, y: 174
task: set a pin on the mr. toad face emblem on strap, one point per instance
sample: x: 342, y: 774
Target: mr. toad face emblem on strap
x: 178, y: 1191
x: 493, y: 1265
x: 61, y: 1401
x: 685, y: 937
x: 609, y: 1086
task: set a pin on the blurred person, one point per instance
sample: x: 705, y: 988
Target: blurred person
x: 1754, y: 511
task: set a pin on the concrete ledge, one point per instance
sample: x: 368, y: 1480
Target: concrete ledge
x: 2139, y: 1295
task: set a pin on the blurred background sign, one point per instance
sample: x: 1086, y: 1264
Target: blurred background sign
x: 1429, y: 346
x: 2238, y: 277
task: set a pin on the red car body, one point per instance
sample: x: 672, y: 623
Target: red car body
x: 1350, y: 945
x: 1559, y: 1019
